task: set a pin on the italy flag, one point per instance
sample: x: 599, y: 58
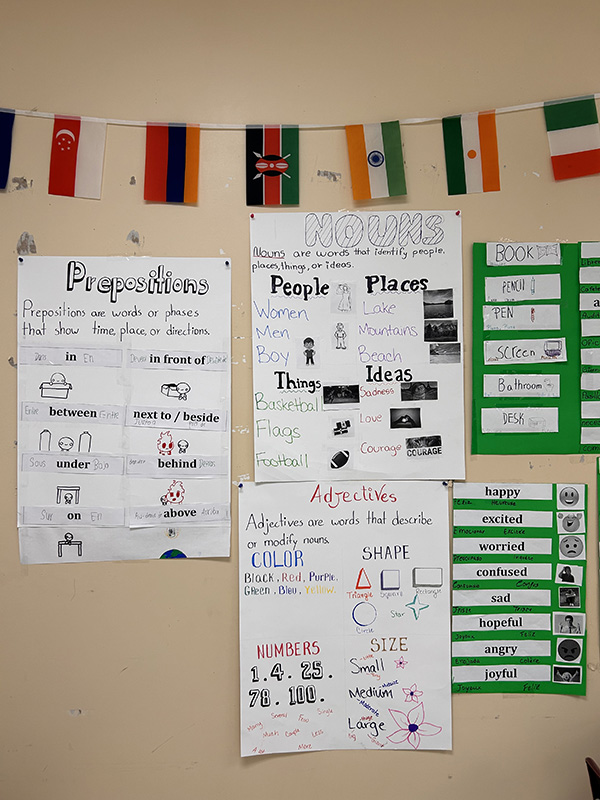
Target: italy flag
x: 471, y: 150
x: 376, y: 162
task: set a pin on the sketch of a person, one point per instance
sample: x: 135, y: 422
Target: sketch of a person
x: 566, y: 575
x: 183, y: 389
x: 345, y: 303
x: 340, y: 336
x: 569, y: 626
x: 309, y: 351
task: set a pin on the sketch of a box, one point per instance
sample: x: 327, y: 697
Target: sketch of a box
x: 428, y: 576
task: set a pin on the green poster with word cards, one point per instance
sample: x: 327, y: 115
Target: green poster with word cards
x: 536, y: 347
x: 518, y: 590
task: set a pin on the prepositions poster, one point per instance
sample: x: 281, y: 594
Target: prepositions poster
x: 124, y: 406
x: 536, y: 346
x: 519, y: 617
x: 344, y: 616
x: 357, y: 345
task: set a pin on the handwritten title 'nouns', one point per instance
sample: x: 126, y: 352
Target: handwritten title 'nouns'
x: 157, y: 281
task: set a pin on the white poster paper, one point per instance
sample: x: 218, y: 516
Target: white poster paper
x: 124, y: 407
x: 357, y: 345
x: 344, y: 617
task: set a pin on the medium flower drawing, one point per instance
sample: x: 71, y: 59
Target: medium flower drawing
x: 412, y: 694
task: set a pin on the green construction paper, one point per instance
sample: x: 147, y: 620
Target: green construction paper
x: 568, y: 437
x: 495, y: 664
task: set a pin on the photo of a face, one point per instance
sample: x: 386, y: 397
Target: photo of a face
x: 569, y: 624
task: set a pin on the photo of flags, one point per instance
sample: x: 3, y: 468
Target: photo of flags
x: 172, y: 163
x: 7, y: 118
x: 376, y: 160
x: 272, y: 165
x: 471, y: 151
x: 573, y: 136
x: 77, y: 157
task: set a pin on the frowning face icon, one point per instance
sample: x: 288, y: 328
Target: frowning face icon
x: 571, y: 546
x: 569, y: 649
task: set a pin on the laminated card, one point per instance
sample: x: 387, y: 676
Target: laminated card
x: 344, y: 616
x: 519, y: 618
x: 357, y: 345
x: 124, y: 396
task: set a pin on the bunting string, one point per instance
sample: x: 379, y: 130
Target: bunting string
x: 234, y: 126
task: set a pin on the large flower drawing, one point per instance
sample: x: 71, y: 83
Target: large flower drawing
x: 412, y: 694
x: 411, y: 726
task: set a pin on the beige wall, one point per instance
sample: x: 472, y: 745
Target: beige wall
x: 120, y: 680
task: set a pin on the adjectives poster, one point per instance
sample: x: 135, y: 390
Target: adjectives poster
x: 519, y: 618
x: 344, y: 617
x: 357, y: 345
x: 124, y: 395
x: 536, y: 340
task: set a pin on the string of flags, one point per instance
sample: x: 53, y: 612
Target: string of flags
x: 375, y: 153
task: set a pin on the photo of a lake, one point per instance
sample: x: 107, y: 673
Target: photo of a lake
x: 438, y: 303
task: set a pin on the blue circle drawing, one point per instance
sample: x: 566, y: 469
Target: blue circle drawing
x: 364, y: 614
x: 376, y: 158
x: 173, y: 554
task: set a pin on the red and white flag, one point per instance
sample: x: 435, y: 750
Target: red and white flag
x: 77, y: 157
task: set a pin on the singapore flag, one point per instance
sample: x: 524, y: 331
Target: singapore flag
x: 77, y: 157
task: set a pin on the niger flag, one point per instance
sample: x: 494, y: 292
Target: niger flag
x: 471, y: 150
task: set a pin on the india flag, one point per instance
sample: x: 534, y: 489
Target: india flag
x: 573, y: 136
x: 471, y: 149
x: 376, y: 163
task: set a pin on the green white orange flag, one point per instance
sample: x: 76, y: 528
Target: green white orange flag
x: 376, y: 162
x: 471, y: 149
x: 573, y: 136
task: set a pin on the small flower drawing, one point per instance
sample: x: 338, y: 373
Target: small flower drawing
x: 412, y: 695
x: 400, y: 662
x: 411, y: 726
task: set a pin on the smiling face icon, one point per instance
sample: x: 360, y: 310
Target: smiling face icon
x: 571, y: 546
x: 569, y: 496
x: 569, y: 649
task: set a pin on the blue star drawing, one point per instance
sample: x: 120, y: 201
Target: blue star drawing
x: 417, y: 606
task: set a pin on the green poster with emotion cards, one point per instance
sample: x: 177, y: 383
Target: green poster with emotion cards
x: 518, y: 601
x: 536, y: 347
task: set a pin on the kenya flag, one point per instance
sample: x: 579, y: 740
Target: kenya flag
x: 272, y: 165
